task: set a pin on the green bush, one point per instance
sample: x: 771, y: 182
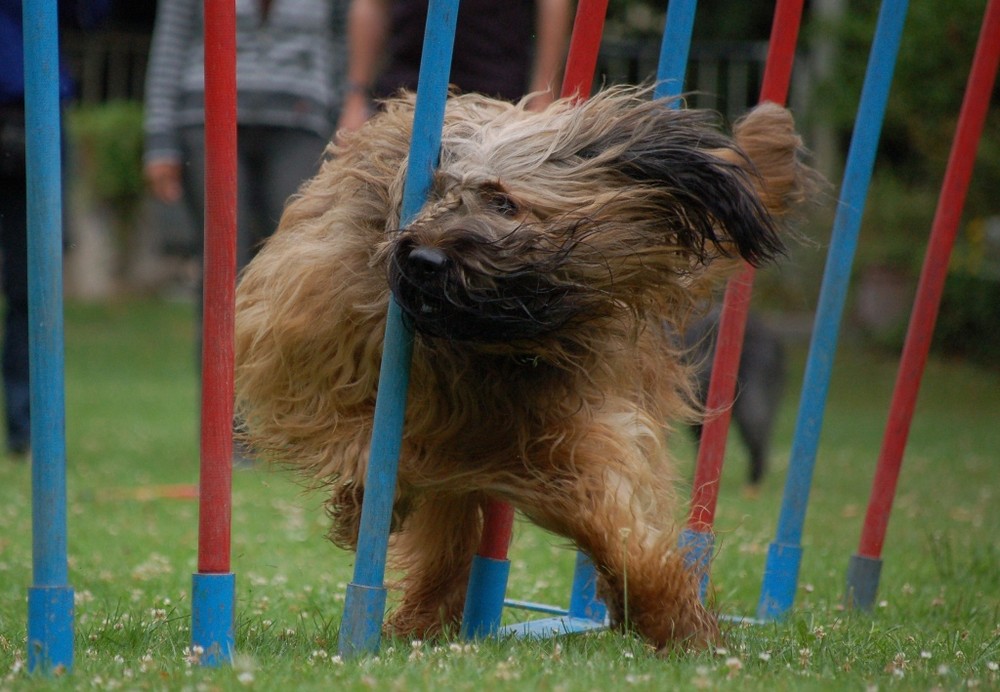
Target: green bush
x: 968, y: 324
x: 108, y: 140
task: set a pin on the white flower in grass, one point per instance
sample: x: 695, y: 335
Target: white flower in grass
x: 925, y: 655
x: 702, y: 680
x: 245, y: 678
x: 765, y: 656
x: 992, y: 666
x: 193, y: 654
x: 734, y: 666
x: 637, y: 679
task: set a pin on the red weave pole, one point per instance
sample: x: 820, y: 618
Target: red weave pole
x: 498, y: 526
x: 975, y: 105
x: 736, y: 305
x: 215, y: 505
x: 585, y: 44
x: 581, y: 62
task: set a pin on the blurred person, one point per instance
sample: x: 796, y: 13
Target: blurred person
x: 290, y: 66
x: 82, y: 14
x: 503, y: 48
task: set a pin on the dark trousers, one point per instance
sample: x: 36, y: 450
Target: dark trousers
x: 271, y: 164
x: 14, y: 271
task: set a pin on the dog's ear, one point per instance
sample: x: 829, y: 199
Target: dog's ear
x: 706, y: 187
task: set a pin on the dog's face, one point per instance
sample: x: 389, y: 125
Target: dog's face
x: 539, y: 223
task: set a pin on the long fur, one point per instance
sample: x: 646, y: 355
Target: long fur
x: 551, y: 249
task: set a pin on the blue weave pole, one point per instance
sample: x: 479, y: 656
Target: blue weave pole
x: 671, y: 70
x: 674, y: 49
x: 50, y: 598
x: 784, y: 556
x: 364, y: 606
x: 484, y: 600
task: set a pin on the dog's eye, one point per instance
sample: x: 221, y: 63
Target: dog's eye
x: 503, y: 204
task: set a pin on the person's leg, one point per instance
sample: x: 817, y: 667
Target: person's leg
x: 290, y: 158
x: 14, y: 268
x: 193, y: 182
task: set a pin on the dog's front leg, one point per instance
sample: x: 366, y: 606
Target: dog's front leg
x: 435, y: 549
x: 619, y: 512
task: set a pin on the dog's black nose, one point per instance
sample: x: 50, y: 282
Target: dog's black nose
x: 427, y: 261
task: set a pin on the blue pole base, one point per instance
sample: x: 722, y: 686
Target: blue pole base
x: 697, y: 547
x: 361, y: 628
x: 485, y: 598
x: 212, y: 622
x: 583, y: 600
x: 862, y: 581
x: 50, y: 628
x: 781, y: 576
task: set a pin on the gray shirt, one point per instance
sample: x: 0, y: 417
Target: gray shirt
x: 290, y: 68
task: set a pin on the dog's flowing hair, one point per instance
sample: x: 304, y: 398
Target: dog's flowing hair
x: 537, y: 277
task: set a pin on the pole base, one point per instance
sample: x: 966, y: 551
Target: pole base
x: 485, y: 598
x: 50, y: 628
x: 212, y: 624
x: 862, y: 581
x: 781, y: 577
x: 361, y: 628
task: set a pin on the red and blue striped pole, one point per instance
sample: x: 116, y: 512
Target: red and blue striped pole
x: 50, y: 597
x: 865, y: 566
x: 697, y: 539
x: 364, y: 606
x: 214, y: 586
x: 781, y: 570
x: 484, y: 599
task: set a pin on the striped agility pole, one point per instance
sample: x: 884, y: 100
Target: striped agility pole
x: 364, y: 606
x: 864, y: 568
x: 484, y: 601
x: 781, y: 570
x: 214, y: 586
x: 697, y: 538
x: 50, y: 597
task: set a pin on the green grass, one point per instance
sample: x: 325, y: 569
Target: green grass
x: 132, y: 440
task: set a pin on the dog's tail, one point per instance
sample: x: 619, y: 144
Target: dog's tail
x: 767, y: 136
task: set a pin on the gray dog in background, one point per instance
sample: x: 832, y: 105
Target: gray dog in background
x: 760, y: 383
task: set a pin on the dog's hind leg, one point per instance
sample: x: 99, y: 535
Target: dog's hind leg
x: 435, y: 549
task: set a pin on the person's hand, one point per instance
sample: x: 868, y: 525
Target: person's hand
x: 356, y: 111
x: 164, y: 179
x: 540, y: 100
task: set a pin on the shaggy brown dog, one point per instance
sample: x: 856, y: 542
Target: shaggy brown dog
x: 537, y: 277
